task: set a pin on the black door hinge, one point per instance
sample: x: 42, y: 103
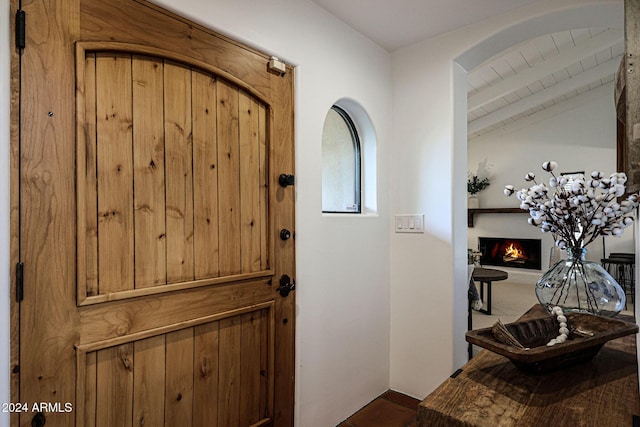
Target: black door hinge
x: 21, y: 29
x: 19, y: 281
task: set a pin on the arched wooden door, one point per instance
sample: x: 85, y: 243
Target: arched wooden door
x: 148, y: 157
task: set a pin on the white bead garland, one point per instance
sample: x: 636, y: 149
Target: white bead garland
x: 564, y: 331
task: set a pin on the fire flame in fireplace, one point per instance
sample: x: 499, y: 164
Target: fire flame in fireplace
x: 512, y: 252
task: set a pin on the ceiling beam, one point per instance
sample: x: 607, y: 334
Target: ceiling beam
x: 566, y: 58
x: 554, y: 110
x: 604, y: 70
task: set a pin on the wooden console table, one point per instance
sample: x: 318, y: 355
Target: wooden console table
x: 491, y: 391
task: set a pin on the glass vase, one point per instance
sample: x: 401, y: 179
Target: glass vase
x: 578, y: 285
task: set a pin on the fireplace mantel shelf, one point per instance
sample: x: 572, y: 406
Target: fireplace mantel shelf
x: 471, y: 213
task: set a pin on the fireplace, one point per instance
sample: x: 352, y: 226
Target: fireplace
x: 512, y: 252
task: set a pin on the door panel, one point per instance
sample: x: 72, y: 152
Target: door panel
x: 175, y: 379
x: 165, y: 163
x: 163, y: 205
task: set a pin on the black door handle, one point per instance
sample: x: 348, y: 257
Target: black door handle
x: 286, y: 285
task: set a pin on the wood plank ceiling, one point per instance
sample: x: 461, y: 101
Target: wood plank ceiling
x: 542, y: 75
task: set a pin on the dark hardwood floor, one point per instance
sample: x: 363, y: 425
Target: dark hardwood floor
x: 391, y: 409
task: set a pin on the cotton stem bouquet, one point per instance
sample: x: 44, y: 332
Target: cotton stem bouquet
x: 579, y: 210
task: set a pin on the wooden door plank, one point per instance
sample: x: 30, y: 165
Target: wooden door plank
x: 283, y: 211
x: 115, y: 386
x: 14, y: 216
x: 179, y: 172
x: 205, y: 378
x: 250, y: 368
x: 179, y: 379
x: 228, y: 179
x: 91, y: 389
x: 148, y: 381
x: 267, y: 363
x: 205, y: 176
x: 119, y: 318
x: 264, y: 186
x: 229, y: 371
x: 90, y: 211
x: 148, y: 158
x: 115, y: 172
x: 250, y: 187
x: 47, y: 227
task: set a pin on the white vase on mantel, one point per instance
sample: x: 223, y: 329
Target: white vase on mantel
x: 473, y: 202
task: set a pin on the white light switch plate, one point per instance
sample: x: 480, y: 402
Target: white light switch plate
x: 409, y: 223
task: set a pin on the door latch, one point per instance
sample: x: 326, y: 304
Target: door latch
x: 285, y: 234
x: 285, y: 180
x: 286, y: 285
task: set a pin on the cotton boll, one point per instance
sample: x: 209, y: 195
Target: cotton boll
x: 576, y: 186
x: 529, y: 176
x: 534, y: 221
x: 619, y: 190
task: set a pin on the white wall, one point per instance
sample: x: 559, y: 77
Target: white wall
x: 427, y: 315
x: 342, y: 261
x: 580, y: 138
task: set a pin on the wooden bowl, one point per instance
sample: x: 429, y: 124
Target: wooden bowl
x: 588, y: 333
